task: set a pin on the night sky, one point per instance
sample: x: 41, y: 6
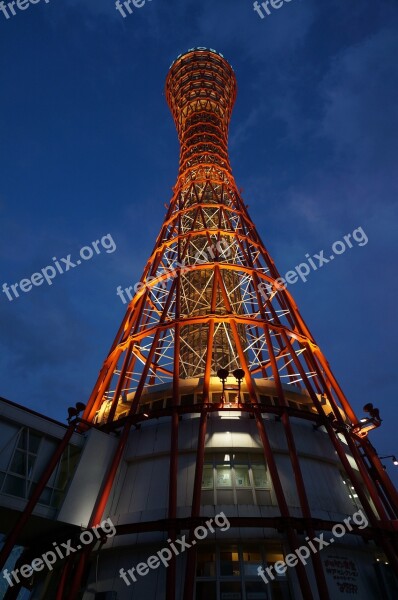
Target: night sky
x: 88, y: 148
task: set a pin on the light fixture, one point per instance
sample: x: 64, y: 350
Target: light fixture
x: 393, y: 458
x: 366, y: 424
x: 239, y: 375
x: 74, y: 411
x: 373, y: 411
x: 222, y: 374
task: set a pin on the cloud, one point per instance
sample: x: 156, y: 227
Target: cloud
x: 360, y: 118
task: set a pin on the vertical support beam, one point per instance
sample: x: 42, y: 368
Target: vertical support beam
x: 63, y: 580
x: 298, y: 476
x: 173, y: 474
x: 280, y: 496
x: 191, y: 553
x: 171, y: 571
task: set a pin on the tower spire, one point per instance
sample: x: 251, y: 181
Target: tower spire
x: 210, y: 287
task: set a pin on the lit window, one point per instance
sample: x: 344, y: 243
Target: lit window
x: 242, y: 476
x: 229, y: 561
x: 207, y: 479
x: 224, y: 478
x: 259, y: 476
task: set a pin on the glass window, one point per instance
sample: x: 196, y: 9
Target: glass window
x: 30, y: 464
x: 259, y: 476
x: 23, y: 440
x: 187, y: 399
x: 18, y: 464
x: 242, y: 476
x: 216, y: 397
x: 236, y: 577
x: 251, y: 561
x: 235, y: 472
x: 206, y: 563
x: 224, y: 476
x: 206, y: 590
x: 255, y: 591
x: 157, y: 405
x: 265, y: 399
x: 15, y: 486
x: 45, y: 497
x: 207, y: 479
x: 34, y: 442
x: 229, y: 561
x: 231, y: 591
x: 272, y: 557
x: 280, y: 590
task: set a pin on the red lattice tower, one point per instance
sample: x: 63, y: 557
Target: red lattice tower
x: 210, y: 299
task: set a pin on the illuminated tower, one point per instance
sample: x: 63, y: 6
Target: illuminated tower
x: 222, y: 401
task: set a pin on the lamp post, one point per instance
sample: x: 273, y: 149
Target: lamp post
x: 223, y: 374
x: 393, y: 458
x: 239, y: 375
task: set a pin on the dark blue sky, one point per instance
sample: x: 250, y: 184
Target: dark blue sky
x: 88, y: 147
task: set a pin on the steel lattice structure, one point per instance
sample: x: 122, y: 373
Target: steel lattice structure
x: 210, y: 298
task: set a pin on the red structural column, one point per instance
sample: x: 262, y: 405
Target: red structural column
x: 196, y: 497
x: 173, y: 474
